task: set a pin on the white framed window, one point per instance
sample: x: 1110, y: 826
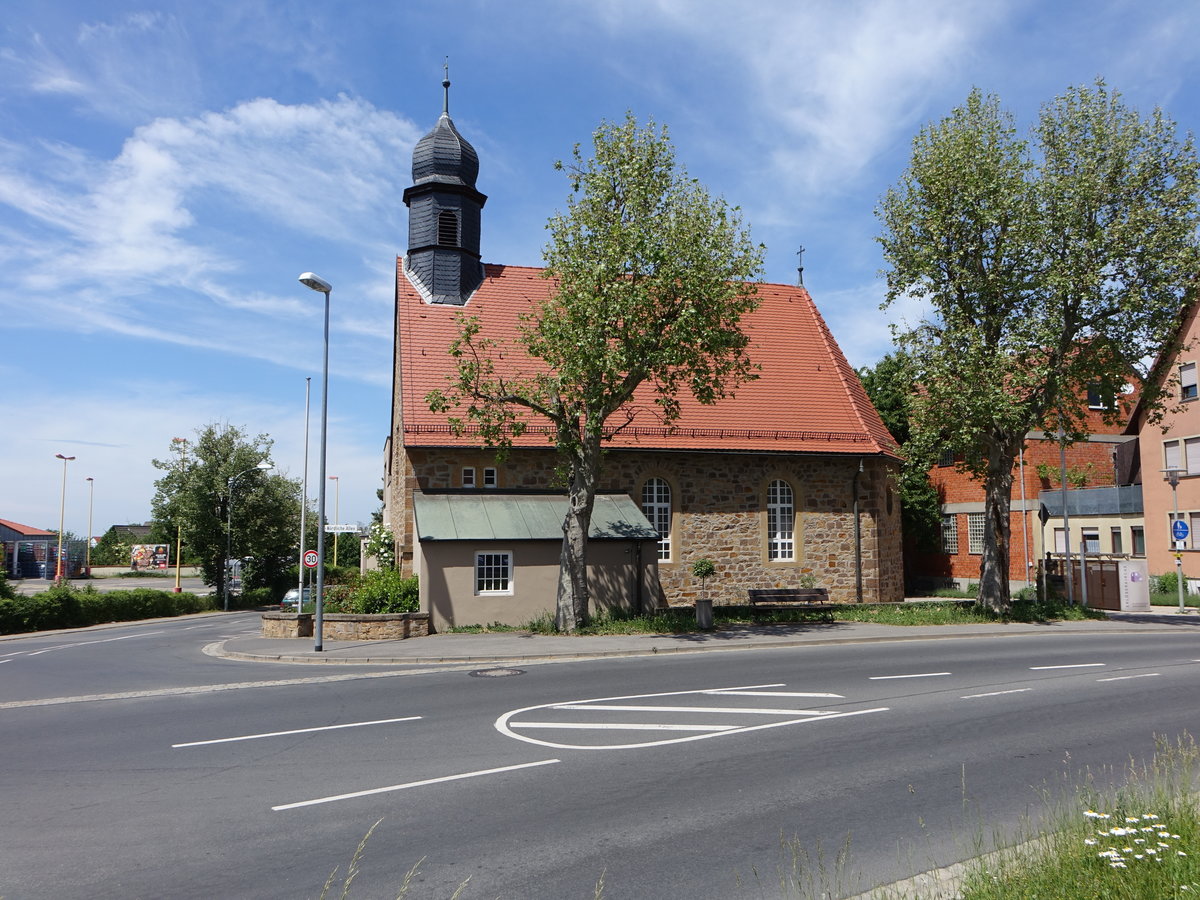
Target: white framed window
x: 493, y: 572
x: 781, y: 521
x: 1060, y: 541
x: 950, y: 533
x: 1096, y: 398
x: 656, y: 506
x: 468, y: 476
x: 1191, y: 455
x: 1091, y: 540
x: 489, y: 477
x: 1187, y: 382
x: 1193, y: 525
x: 974, y: 532
x: 1172, y: 458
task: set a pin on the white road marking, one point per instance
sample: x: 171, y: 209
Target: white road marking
x: 2, y: 661
x: 254, y: 737
x: 1127, y: 677
x: 917, y: 675
x: 621, y: 726
x: 508, y: 724
x: 748, y: 710
x: 995, y: 693
x: 413, y: 784
x: 84, y: 643
x: 777, y: 693
x: 204, y: 689
x: 503, y: 727
x: 1075, y: 666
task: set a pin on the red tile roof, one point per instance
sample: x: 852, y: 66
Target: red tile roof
x: 27, y: 530
x: 807, y: 398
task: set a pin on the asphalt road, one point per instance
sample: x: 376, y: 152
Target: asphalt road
x: 136, y: 766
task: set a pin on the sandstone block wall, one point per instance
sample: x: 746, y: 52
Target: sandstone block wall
x: 718, y: 511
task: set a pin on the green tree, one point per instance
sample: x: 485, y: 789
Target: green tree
x: 194, y: 495
x: 1049, y: 265
x: 892, y: 388
x: 652, y: 277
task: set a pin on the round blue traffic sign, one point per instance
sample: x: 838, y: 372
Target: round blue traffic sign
x: 1179, y: 530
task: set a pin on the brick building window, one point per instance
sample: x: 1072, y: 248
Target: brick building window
x: 950, y: 534
x: 468, y: 477
x: 1187, y: 382
x: 493, y: 572
x: 656, y: 506
x: 946, y: 458
x: 974, y: 532
x: 781, y: 520
x: 489, y: 478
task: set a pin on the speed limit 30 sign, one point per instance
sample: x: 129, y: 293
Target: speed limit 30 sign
x: 310, y: 559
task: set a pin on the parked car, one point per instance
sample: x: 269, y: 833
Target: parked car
x: 292, y: 598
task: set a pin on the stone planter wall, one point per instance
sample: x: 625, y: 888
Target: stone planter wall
x: 347, y: 626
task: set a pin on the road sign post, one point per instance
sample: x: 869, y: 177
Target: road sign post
x: 310, y: 559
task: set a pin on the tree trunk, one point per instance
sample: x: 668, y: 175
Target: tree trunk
x: 571, y: 609
x: 994, y: 565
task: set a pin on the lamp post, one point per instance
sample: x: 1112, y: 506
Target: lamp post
x: 337, y: 518
x: 1172, y: 477
x: 62, y: 514
x: 304, y: 497
x: 261, y: 467
x: 308, y: 279
x: 91, y: 495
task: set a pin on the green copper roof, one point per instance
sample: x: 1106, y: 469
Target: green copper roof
x: 487, y: 516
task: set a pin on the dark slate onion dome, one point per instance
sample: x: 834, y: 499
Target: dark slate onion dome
x: 443, y: 261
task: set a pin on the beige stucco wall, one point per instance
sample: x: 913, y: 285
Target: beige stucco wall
x: 719, y: 502
x: 447, y: 577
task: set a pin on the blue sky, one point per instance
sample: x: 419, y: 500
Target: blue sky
x: 168, y: 169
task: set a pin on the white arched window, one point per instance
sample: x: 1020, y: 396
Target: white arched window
x: 781, y: 518
x: 656, y: 506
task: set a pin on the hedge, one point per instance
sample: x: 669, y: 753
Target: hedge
x: 63, y: 606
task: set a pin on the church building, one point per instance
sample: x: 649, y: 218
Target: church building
x: 788, y: 482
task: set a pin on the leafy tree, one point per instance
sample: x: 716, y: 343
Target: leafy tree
x: 1049, y: 265
x: 652, y: 277
x: 892, y: 388
x: 194, y: 493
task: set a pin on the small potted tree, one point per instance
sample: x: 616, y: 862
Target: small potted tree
x: 703, y: 569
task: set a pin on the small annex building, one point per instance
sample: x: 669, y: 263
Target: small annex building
x: 469, y: 545
x: 790, y: 482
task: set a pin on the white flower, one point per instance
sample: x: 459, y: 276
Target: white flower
x: 1149, y: 816
x: 1137, y: 856
x: 1180, y: 853
x: 1151, y: 851
x: 1131, y: 821
x: 1090, y: 841
x: 1092, y: 814
x: 1118, y: 865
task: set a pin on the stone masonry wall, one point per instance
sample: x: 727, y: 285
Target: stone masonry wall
x: 718, y: 511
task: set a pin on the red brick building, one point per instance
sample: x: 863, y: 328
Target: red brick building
x: 1111, y: 526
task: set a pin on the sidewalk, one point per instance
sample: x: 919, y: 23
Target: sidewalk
x: 521, y: 647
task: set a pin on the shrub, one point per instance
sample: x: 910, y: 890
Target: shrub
x: 63, y: 606
x: 1165, y: 584
x: 386, y: 591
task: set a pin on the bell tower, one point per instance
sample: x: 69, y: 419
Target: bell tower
x: 443, y: 261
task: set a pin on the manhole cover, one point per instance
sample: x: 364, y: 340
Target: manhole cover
x: 496, y: 673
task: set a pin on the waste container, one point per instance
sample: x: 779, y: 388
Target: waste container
x: 704, y: 618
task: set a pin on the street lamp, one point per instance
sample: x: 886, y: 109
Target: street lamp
x: 1172, y: 477
x: 304, y: 498
x: 62, y: 514
x: 261, y: 467
x: 308, y: 279
x: 91, y: 493
x: 337, y: 520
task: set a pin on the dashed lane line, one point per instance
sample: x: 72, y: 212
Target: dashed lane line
x: 915, y: 675
x: 200, y: 689
x: 414, y: 784
x: 1127, y: 677
x: 1073, y: 666
x: 271, y: 734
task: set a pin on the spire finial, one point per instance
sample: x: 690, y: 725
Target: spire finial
x: 800, y: 267
x: 446, y: 88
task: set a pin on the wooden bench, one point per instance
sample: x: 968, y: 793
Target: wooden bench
x: 791, y: 598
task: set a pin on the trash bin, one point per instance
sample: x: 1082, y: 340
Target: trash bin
x: 704, y: 618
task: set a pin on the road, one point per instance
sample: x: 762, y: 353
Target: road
x: 138, y: 766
